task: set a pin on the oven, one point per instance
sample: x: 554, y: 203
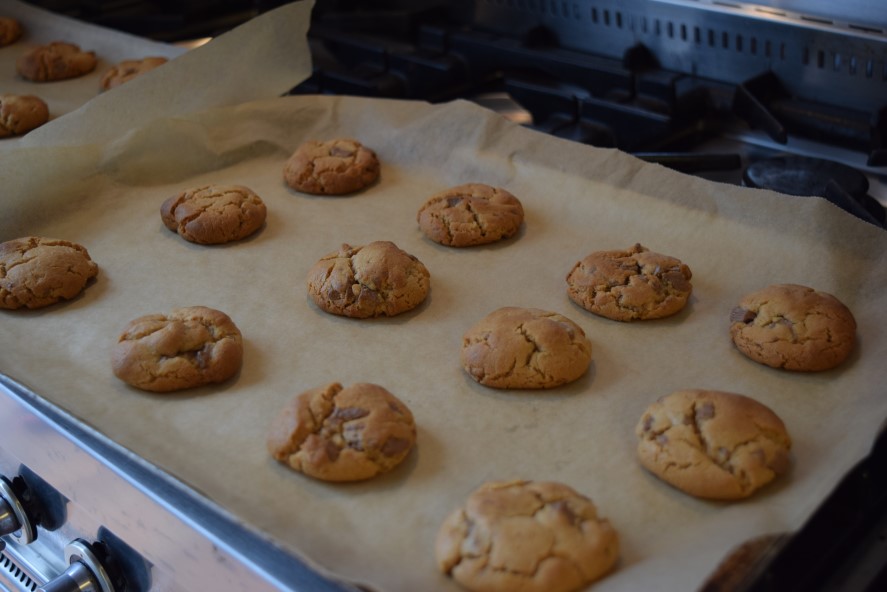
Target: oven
x: 784, y: 95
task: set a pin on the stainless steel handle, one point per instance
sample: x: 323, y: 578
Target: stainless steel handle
x: 85, y: 572
x: 14, y: 521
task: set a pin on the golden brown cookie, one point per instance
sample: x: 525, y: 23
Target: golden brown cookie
x: 343, y: 434
x: 472, y: 214
x: 377, y: 279
x: 19, y: 114
x: 334, y: 167
x: 631, y: 284
x: 37, y: 271
x: 186, y: 348
x: 214, y: 214
x: 56, y: 61
x: 793, y: 327
x: 528, y: 536
x: 525, y: 348
x: 712, y: 444
x: 10, y: 30
x: 127, y: 70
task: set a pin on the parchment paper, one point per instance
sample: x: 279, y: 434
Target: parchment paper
x: 577, y: 199
x: 261, y: 58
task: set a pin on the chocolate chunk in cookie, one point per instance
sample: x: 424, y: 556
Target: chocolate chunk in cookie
x: 377, y: 279
x: 10, y: 30
x: 214, y: 214
x: 186, y: 348
x: 335, y: 167
x: 19, y: 114
x: 793, y: 327
x: 56, y: 61
x: 127, y: 70
x: 712, y: 444
x: 525, y: 348
x: 631, y: 284
x: 472, y: 214
x: 528, y: 536
x: 343, y: 434
x: 37, y: 271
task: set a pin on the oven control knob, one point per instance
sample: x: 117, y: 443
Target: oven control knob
x: 14, y: 521
x: 85, y: 572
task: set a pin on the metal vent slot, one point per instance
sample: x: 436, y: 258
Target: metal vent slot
x: 874, y: 30
x: 14, y: 574
x: 813, y: 19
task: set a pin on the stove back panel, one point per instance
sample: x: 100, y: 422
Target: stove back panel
x: 815, y: 59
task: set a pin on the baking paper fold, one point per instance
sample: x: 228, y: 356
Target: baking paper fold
x: 262, y: 58
x: 577, y: 199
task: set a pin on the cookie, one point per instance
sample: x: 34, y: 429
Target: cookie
x: 37, y: 271
x: 631, y: 284
x: 335, y: 167
x: 712, y: 444
x: 187, y: 348
x: 19, y: 114
x: 10, y: 30
x: 333, y: 433
x: 472, y: 214
x: 525, y: 348
x: 214, y: 214
x: 528, y: 536
x: 377, y: 279
x: 55, y: 61
x: 793, y: 327
x: 127, y: 70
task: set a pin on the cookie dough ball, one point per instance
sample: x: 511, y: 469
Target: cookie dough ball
x: 528, y: 536
x: 525, y: 348
x: 19, y: 114
x: 631, y: 284
x: 127, y: 70
x: 377, y: 279
x: 712, y: 444
x: 333, y: 433
x: 56, y: 61
x: 335, y: 167
x: 10, y: 30
x: 187, y: 348
x: 214, y: 214
x: 472, y: 214
x: 37, y: 271
x: 793, y: 327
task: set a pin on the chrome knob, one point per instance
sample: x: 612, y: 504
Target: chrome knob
x: 14, y: 521
x: 85, y: 572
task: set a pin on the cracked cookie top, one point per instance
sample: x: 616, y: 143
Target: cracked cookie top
x: 377, y: 279
x: 10, y: 30
x: 19, y: 114
x: 793, y: 327
x: 214, y: 214
x: 525, y: 348
x: 56, y: 61
x: 471, y: 214
x: 334, y: 433
x: 127, y: 70
x: 713, y: 444
x: 528, y: 536
x: 189, y: 347
x: 38, y: 271
x: 630, y: 284
x: 334, y: 167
